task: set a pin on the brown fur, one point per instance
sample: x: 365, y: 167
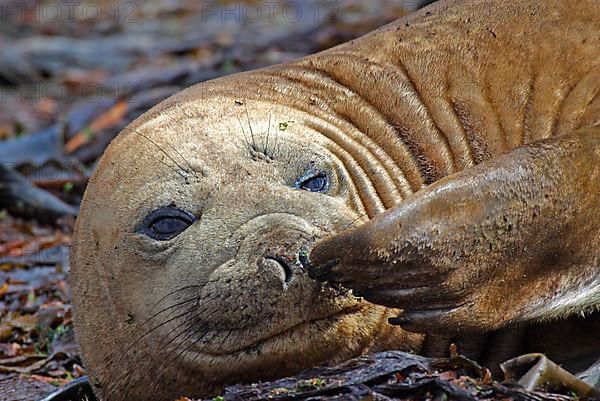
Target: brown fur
x: 385, y: 115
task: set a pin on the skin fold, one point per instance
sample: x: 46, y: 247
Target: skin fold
x: 502, y: 236
x: 474, y: 124
x: 512, y: 239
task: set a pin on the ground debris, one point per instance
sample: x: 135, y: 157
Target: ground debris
x: 391, y: 375
x: 37, y: 344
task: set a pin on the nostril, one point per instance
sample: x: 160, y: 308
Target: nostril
x: 287, y: 270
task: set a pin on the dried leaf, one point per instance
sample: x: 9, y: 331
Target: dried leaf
x: 110, y: 118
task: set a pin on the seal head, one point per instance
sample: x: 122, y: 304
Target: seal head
x: 187, y: 270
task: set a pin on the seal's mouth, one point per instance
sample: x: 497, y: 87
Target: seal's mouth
x: 273, y: 338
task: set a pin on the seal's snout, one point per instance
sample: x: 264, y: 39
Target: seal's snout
x: 285, y: 258
x: 274, y: 243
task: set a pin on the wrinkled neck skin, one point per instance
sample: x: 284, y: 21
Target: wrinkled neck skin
x: 428, y: 96
x: 383, y: 116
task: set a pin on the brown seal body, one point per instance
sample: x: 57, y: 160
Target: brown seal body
x: 187, y: 263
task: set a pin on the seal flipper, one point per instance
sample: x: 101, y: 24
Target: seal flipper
x: 513, y: 239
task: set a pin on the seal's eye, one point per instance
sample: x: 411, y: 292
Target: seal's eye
x: 166, y: 223
x: 314, y: 181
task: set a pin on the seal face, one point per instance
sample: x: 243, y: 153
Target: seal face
x: 187, y: 257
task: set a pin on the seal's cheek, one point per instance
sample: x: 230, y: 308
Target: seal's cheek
x: 147, y: 249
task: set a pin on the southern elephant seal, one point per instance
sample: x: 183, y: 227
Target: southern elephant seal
x: 190, y: 257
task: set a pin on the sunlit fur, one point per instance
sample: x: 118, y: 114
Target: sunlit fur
x: 386, y: 115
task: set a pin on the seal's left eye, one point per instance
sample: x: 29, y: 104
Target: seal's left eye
x: 166, y: 223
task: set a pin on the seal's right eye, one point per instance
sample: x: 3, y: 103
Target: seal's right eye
x: 313, y: 181
x: 166, y: 223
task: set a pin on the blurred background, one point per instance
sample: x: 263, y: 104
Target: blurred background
x: 73, y: 73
